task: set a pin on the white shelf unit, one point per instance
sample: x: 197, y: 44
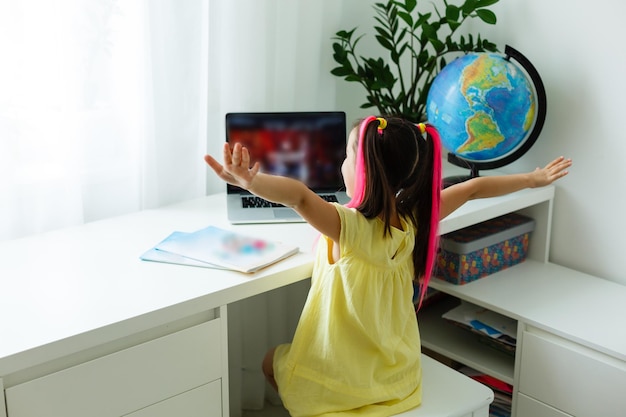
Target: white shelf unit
x: 455, y: 343
x: 564, y: 306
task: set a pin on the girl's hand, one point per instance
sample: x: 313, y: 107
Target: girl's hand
x: 551, y: 172
x: 236, y: 169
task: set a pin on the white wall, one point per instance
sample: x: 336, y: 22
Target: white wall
x: 578, y: 48
x: 266, y: 55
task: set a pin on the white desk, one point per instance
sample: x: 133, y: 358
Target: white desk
x: 89, y: 329
x: 78, y: 294
x: 70, y: 282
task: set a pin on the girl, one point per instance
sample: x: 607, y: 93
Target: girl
x: 356, y: 350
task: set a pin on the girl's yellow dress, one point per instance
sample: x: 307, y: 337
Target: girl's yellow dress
x: 356, y: 351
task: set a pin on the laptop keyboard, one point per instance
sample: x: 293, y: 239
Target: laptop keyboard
x: 256, y: 202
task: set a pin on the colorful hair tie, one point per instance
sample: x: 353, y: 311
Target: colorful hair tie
x: 382, y: 124
x: 422, y: 128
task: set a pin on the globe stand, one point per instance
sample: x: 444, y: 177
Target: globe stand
x: 456, y: 179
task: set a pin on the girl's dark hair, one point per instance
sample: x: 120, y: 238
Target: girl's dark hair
x: 403, y: 172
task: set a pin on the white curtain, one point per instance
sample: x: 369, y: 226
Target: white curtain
x: 107, y: 106
x: 103, y: 109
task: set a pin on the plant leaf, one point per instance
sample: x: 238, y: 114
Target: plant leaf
x: 422, y: 19
x: 356, y: 41
x: 468, y: 7
x: 453, y: 25
x: 429, y: 31
x: 437, y: 44
x: 401, y: 36
x: 452, y: 13
x: 384, y: 42
x: 342, y: 71
x: 393, y: 13
x: 409, y: 5
x: 381, y: 6
x: 408, y: 19
x: 384, y: 23
x: 485, y: 3
x: 342, y: 34
x: 395, y: 56
x: 383, y: 32
x: 487, y: 16
x: 488, y: 46
x: 338, y: 48
x: 402, y: 49
x: 347, y: 35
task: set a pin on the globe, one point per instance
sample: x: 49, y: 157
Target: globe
x: 487, y: 110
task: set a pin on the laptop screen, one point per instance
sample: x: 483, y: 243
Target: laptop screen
x: 307, y: 146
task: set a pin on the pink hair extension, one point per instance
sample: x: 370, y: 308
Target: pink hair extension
x: 359, y: 175
x: 433, y: 238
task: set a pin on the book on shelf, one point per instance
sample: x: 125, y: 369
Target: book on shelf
x: 213, y: 247
x: 494, y: 329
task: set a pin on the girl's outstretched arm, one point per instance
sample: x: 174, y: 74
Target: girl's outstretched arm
x: 292, y: 193
x: 456, y: 195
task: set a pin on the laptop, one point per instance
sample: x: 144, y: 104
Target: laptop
x: 307, y: 146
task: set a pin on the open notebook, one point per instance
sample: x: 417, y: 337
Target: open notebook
x: 214, y: 247
x: 308, y: 146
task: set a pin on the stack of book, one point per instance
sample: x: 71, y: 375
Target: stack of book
x: 493, y: 329
x: 213, y: 247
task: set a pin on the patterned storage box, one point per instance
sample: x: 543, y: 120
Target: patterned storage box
x: 484, y: 248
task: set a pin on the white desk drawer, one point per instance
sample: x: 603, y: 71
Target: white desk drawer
x: 528, y: 407
x: 204, y: 401
x: 124, y: 381
x: 570, y: 377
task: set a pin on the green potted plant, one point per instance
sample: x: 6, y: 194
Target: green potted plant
x: 417, y: 45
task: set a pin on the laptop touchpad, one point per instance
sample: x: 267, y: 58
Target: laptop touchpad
x: 285, y: 213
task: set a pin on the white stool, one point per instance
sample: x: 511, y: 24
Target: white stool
x: 448, y: 393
